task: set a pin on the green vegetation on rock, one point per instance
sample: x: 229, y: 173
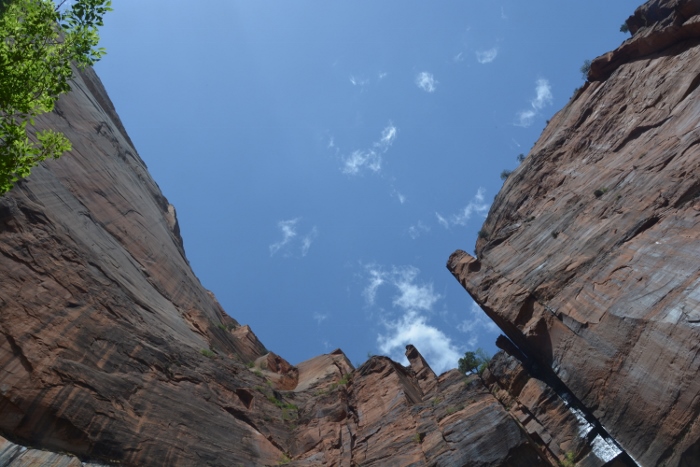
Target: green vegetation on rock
x: 40, y: 42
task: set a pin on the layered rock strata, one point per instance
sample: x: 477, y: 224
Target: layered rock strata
x: 591, y: 262
x: 111, y: 351
x: 383, y: 413
x: 551, y: 415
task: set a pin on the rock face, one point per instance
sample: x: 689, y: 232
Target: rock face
x: 385, y: 414
x: 591, y: 262
x: 112, y: 352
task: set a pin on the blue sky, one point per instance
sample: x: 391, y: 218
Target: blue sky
x: 326, y: 158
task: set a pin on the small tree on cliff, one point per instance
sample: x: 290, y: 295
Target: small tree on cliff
x: 474, y: 362
x: 39, y: 43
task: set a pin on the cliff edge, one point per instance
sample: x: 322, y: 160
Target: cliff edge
x: 112, y: 352
x: 591, y: 264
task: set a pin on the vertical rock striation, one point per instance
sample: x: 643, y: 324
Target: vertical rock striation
x: 591, y: 264
x: 112, y: 352
x: 110, y: 348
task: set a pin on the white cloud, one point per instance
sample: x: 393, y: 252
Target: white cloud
x: 371, y: 159
x: 432, y: 343
x: 358, y: 81
x: 458, y: 58
x: 289, y: 230
x: 415, y: 301
x: 478, y: 323
x: 544, y: 94
x: 543, y: 98
x: 487, y: 56
x: 388, y: 137
x: 308, y: 240
x: 426, y: 81
x: 399, y: 196
x: 442, y: 221
x: 376, y: 279
x: 412, y: 296
x: 525, y: 118
x: 417, y: 230
x: 359, y: 159
x: 477, y: 205
x: 320, y: 317
x: 382, y: 75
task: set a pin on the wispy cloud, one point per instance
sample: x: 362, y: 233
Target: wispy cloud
x: 355, y: 81
x: 403, y: 279
x: 376, y: 277
x: 476, y: 324
x: 289, y: 231
x: 442, y: 221
x: 415, y: 301
x: 544, y: 94
x: 417, y: 230
x: 477, y: 205
x: 412, y: 295
x: 288, y: 244
x: 320, y: 317
x: 388, y: 137
x: 525, y: 118
x: 487, y: 56
x: 370, y: 159
x: 426, y: 81
x: 362, y: 159
x: 308, y: 240
x: 458, y: 58
x: 433, y: 344
x: 543, y: 98
x: 382, y: 75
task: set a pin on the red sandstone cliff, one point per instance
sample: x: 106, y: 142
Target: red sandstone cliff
x: 591, y: 266
x: 112, y: 351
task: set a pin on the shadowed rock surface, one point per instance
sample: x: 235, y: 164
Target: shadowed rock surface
x: 591, y: 264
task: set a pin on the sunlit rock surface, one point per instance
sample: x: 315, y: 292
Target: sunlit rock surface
x: 111, y: 351
x: 592, y: 261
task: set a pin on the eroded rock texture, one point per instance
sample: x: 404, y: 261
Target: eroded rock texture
x: 104, y: 328
x: 112, y: 351
x: 385, y: 414
x: 591, y: 265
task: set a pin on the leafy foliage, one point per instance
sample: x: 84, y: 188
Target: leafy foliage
x: 39, y: 43
x: 474, y: 362
x: 569, y: 460
x: 585, y: 68
x: 598, y: 192
x: 505, y: 174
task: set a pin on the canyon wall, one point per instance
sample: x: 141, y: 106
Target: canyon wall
x: 112, y: 352
x: 590, y: 266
